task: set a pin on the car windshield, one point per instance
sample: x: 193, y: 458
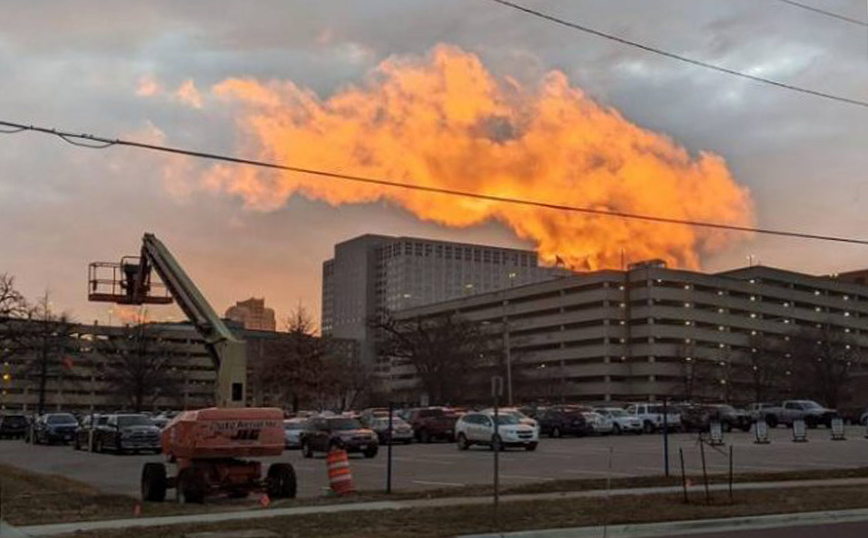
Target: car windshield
x: 15, y: 419
x: 344, y: 424
x: 507, y: 419
x: 811, y: 405
x: 293, y: 425
x: 62, y: 419
x: 384, y: 422
x: 134, y: 420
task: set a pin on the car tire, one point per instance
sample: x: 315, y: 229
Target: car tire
x: 496, y: 443
x: 154, y: 482
x: 726, y: 427
x: 462, y: 442
x: 76, y: 445
x: 530, y: 447
x: 306, y: 450
x: 648, y: 427
x: 281, y: 481
x: 772, y: 421
x: 98, y: 446
x: 424, y: 437
x: 370, y: 452
x: 811, y: 422
x: 616, y: 429
x: 191, y: 486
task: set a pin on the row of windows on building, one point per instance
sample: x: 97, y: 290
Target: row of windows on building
x: 449, y: 252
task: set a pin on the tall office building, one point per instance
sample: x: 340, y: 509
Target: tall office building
x: 373, y: 273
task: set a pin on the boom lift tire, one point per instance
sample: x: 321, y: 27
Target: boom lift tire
x: 154, y: 482
x: 281, y: 483
x: 191, y: 486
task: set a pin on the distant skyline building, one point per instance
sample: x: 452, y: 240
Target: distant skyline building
x: 373, y: 273
x: 253, y: 315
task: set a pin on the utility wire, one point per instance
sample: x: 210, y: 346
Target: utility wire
x: 824, y: 12
x: 99, y: 142
x: 674, y: 56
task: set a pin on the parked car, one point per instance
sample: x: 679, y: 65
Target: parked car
x: 13, y: 426
x: 731, y: 418
x: 478, y: 429
x: 810, y: 411
x: 863, y: 419
x: 126, y: 432
x: 559, y: 422
x: 401, y: 431
x: 622, y: 422
x: 759, y: 410
x: 292, y: 428
x: 514, y: 411
x: 89, y: 422
x: 600, y: 424
x: 51, y: 428
x: 651, y: 415
x: 324, y: 433
x: 432, y: 423
x: 695, y: 417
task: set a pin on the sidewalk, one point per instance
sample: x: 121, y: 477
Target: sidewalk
x: 67, y: 528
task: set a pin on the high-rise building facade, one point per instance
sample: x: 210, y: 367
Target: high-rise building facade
x: 253, y: 315
x: 647, y: 333
x: 374, y: 273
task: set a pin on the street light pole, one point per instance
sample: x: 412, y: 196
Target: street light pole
x: 508, y: 363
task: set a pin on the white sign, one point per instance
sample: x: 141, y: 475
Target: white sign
x: 800, y: 435
x: 716, y: 433
x: 838, y: 429
x: 761, y: 432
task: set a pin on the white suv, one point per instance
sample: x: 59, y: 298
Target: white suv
x: 478, y: 429
x: 651, y: 415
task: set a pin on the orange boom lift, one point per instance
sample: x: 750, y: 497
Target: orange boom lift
x: 206, y: 445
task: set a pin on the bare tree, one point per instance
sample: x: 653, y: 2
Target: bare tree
x: 138, y: 365
x: 826, y: 361
x: 12, y: 303
x: 49, y: 341
x: 292, y: 365
x: 766, y: 364
x: 697, y: 374
x: 445, y: 351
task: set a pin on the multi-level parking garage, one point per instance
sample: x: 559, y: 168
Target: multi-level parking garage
x: 639, y: 333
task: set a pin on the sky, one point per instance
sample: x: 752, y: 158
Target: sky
x: 151, y: 71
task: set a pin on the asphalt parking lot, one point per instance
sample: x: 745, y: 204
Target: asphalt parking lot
x: 418, y: 466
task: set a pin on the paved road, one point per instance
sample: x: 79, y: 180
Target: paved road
x: 442, y: 465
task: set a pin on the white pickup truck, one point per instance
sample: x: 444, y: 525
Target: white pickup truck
x: 651, y: 415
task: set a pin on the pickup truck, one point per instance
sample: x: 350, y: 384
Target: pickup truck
x: 651, y: 415
x: 789, y: 411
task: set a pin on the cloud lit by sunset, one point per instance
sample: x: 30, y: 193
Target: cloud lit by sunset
x: 444, y: 120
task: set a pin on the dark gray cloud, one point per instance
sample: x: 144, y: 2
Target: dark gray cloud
x: 77, y: 64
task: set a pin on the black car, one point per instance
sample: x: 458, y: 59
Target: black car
x: 13, y: 426
x: 559, y: 422
x: 52, y: 428
x: 126, y: 432
x: 731, y: 418
x: 323, y: 434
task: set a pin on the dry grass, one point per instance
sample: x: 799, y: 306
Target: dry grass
x: 452, y: 521
x: 28, y: 498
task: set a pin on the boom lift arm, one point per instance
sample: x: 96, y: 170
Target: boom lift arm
x: 131, y: 284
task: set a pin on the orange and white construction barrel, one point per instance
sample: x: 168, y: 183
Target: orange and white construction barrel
x: 340, y: 477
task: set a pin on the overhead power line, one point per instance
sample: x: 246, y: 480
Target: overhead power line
x: 824, y: 12
x: 674, y: 56
x: 100, y: 142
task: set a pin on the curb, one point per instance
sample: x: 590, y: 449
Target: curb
x: 8, y: 531
x: 686, y: 528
